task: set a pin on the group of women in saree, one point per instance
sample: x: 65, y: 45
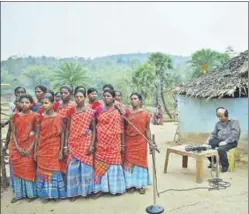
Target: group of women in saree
x: 60, y: 148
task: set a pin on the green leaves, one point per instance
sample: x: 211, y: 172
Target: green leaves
x: 72, y: 74
x: 36, y: 75
x: 143, y: 79
x: 204, y: 60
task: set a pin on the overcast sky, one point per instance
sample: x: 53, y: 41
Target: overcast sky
x: 64, y: 29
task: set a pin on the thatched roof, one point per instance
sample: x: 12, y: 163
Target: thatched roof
x: 229, y: 80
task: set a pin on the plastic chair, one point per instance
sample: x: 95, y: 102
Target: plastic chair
x: 231, y: 159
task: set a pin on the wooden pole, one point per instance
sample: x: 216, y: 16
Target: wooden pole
x: 4, y: 182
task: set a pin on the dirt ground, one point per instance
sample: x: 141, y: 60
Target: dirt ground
x: 232, y: 200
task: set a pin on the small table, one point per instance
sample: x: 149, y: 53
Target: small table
x: 199, y: 156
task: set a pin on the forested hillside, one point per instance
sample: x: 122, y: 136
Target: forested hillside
x: 152, y: 74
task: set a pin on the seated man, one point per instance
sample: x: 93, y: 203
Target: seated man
x: 225, y: 136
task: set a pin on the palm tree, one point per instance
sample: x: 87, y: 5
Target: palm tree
x: 204, y: 60
x: 72, y: 74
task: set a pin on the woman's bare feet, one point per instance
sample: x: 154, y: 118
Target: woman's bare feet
x: 131, y: 190
x: 14, y: 200
x: 73, y: 199
x: 45, y: 201
x: 142, y: 191
x: 97, y: 195
x: 32, y: 199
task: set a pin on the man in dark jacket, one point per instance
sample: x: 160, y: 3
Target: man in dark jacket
x: 225, y: 136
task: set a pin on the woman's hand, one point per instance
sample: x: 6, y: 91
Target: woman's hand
x: 22, y: 152
x: 65, y: 151
x: 35, y: 157
x: 91, y: 150
x: 61, y: 157
x: 122, y: 150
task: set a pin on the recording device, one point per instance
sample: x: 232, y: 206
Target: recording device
x: 200, y: 148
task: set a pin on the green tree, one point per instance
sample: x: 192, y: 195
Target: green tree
x: 7, y: 78
x: 162, y: 68
x: 72, y: 74
x: 36, y: 75
x: 143, y: 79
x: 204, y: 60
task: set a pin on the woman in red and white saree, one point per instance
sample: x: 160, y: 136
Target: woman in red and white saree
x: 136, y: 163
x: 109, y: 177
x: 80, y: 173
x: 66, y: 103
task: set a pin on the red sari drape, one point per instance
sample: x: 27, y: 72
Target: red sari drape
x: 49, y: 146
x: 63, y: 112
x: 25, y: 127
x: 80, y: 136
x: 135, y: 144
x: 108, y: 148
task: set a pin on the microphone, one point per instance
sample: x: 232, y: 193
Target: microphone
x: 153, y: 145
x: 119, y: 110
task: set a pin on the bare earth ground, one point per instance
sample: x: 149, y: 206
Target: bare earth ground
x: 232, y: 200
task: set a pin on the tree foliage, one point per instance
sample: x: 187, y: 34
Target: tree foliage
x: 36, y: 75
x: 143, y: 79
x: 72, y: 74
x: 151, y: 74
x: 204, y: 60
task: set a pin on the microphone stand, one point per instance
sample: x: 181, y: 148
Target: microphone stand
x: 153, y: 209
x: 151, y: 142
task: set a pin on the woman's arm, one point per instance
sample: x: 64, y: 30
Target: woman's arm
x: 13, y: 133
x: 65, y: 135
x: 62, y: 139
x: 93, y: 142
x: 37, y: 135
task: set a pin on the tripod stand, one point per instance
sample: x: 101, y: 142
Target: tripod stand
x: 153, y: 209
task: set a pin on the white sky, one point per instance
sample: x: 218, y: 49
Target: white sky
x: 66, y: 29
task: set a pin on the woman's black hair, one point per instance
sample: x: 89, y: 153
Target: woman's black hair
x: 17, y: 99
x: 79, y: 87
x: 57, y: 94
x: 49, y: 95
x: 43, y: 88
x: 19, y: 87
x: 81, y: 91
x: 138, y: 95
x: 70, y: 90
x: 91, y: 90
x: 108, y: 86
x: 27, y: 96
x: 116, y: 90
x: 112, y: 92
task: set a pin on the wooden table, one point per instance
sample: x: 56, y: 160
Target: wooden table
x: 199, y: 156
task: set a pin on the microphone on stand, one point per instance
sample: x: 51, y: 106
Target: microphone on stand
x: 150, y: 142
x: 153, y: 209
x: 119, y: 110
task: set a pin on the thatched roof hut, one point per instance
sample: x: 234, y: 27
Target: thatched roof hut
x: 229, y: 80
